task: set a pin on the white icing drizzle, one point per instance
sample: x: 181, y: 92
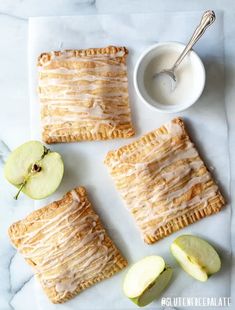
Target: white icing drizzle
x: 62, y: 260
x: 92, y: 79
x: 120, y: 69
x: 153, y: 187
x: 79, y: 88
x: 79, y: 114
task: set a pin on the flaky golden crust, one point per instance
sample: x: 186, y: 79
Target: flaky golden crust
x: 22, y: 234
x: 185, y: 220
x: 84, y: 95
x: 174, y: 187
x: 86, y: 135
x: 45, y: 57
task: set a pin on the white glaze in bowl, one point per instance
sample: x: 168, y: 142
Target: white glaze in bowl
x: 190, y: 76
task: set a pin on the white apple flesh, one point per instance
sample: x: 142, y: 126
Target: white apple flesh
x: 196, y: 256
x: 146, y: 279
x: 34, y: 170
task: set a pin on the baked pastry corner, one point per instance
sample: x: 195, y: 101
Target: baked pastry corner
x: 164, y: 182
x: 84, y: 95
x: 67, y: 246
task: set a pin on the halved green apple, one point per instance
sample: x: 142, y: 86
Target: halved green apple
x: 34, y: 170
x: 146, y: 279
x: 196, y: 256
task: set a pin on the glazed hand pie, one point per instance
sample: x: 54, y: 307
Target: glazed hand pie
x: 84, y: 95
x: 67, y: 246
x: 164, y: 182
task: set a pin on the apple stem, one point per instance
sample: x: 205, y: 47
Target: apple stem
x: 46, y: 151
x: 35, y: 168
x: 20, y: 189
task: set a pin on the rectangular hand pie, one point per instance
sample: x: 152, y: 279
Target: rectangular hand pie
x: 164, y: 182
x: 84, y: 95
x: 67, y: 246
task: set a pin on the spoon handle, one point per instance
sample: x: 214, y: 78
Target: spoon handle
x: 207, y: 19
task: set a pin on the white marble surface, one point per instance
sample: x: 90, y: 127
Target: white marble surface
x: 17, y: 287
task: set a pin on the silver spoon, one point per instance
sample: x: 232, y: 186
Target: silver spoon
x: 207, y: 19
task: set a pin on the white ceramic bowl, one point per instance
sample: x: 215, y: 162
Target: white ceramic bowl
x: 144, y: 60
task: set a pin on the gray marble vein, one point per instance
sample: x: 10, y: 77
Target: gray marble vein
x: 4, y: 151
x: 15, y: 292
x: 5, y: 290
x: 13, y: 16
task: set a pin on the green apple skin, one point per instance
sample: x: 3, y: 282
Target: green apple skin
x: 155, y: 289
x: 146, y: 279
x: 196, y: 256
x: 39, y: 184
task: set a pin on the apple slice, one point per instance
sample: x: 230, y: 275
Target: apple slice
x: 196, y: 256
x: 146, y: 279
x: 34, y: 170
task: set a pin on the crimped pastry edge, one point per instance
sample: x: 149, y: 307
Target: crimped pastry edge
x: 185, y: 220
x: 46, y: 56
x: 19, y: 225
x: 107, y: 134
x: 113, y: 134
x: 120, y: 264
x: 120, y: 261
x: 145, y: 138
x: 180, y: 221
